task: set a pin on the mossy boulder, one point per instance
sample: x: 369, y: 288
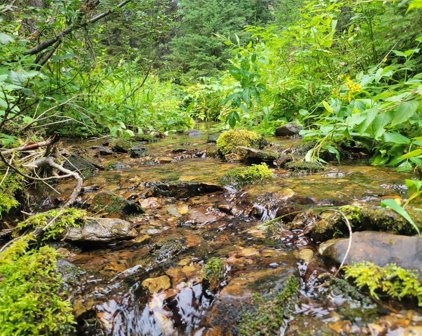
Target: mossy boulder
x: 379, y: 248
x: 121, y: 145
x: 111, y: 205
x: 247, y: 175
x: 324, y: 225
x: 304, y: 166
x: 228, y: 141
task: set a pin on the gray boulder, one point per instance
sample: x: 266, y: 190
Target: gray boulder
x: 288, y: 129
x: 101, y: 230
x: 379, y: 248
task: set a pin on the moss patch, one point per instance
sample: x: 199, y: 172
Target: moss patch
x: 10, y: 185
x: 31, y: 301
x: 269, y: 315
x: 214, y: 272
x: 55, y: 221
x: 304, y: 166
x: 247, y: 175
x: 391, y: 280
x: 228, y: 141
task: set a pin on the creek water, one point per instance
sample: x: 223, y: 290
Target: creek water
x: 179, y: 232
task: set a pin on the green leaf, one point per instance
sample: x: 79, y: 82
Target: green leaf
x: 396, y: 138
x: 393, y: 205
x: 405, y: 111
x: 327, y: 106
x: 414, y: 153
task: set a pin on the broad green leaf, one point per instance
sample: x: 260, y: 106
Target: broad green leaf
x: 393, y: 205
x: 396, y: 138
x: 405, y: 111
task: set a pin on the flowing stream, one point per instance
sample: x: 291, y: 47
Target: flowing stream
x: 182, y: 228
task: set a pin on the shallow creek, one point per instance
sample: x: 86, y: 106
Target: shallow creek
x: 179, y: 232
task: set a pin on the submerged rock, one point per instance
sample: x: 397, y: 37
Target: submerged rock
x: 289, y: 129
x: 157, y: 284
x: 379, y: 248
x: 112, y: 205
x: 101, y: 230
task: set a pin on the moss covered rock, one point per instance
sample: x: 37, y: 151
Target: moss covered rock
x: 228, y: 141
x: 327, y: 224
x: 304, y: 166
x: 31, y: 298
x: 247, y: 175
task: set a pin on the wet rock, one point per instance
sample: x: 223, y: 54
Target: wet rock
x: 168, y: 250
x: 101, y: 230
x: 183, y: 189
x: 112, y: 205
x: 256, y: 156
x: 325, y: 225
x: 194, y: 134
x: 304, y: 166
x: 289, y: 129
x: 283, y: 159
x: 121, y: 146
x: 137, y: 152
x: 101, y: 150
x: 212, y: 138
x: 379, y: 248
x: 78, y: 163
x: 157, y: 284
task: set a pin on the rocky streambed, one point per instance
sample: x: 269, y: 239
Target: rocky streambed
x: 180, y: 253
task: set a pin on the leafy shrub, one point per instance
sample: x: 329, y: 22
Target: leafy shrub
x: 391, y: 280
x: 229, y: 140
x: 246, y: 175
x: 54, y: 222
x: 30, y: 292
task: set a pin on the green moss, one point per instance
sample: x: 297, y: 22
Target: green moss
x: 269, y: 315
x: 304, y: 166
x: 228, y: 141
x: 9, y: 186
x: 55, y: 221
x: 246, y: 175
x: 391, y: 280
x: 31, y: 301
x: 214, y: 272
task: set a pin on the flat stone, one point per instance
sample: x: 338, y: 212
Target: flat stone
x: 137, y: 151
x: 101, y: 230
x: 183, y: 189
x: 379, y: 248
